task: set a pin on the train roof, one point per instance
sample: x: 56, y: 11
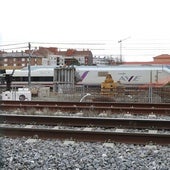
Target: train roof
x: 126, y: 67
x: 39, y: 67
x: 97, y: 68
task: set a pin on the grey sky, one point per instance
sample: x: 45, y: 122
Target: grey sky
x: 145, y: 24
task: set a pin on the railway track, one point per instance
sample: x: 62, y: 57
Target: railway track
x: 87, y: 106
x: 85, y: 121
x: 89, y: 129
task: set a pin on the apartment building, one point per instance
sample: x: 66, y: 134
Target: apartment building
x: 18, y: 59
x: 53, y: 56
x: 46, y: 56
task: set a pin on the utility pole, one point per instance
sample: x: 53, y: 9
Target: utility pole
x: 120, y: 42
x: 29, y: 66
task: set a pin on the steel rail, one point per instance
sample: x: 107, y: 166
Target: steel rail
x: 74, y: 108
x: 90, y: 136
x: 90, y: 104
x: 86, y: 121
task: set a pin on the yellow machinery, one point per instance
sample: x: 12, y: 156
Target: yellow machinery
x: 109, y: 87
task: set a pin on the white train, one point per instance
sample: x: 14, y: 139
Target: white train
x: 95, y: 75
x: 126, y: 74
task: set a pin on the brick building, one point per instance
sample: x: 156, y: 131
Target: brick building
x: 68, y: 57
x: 15, y: 60
x: 164, y: 58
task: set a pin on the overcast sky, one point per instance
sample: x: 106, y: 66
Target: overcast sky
x: 142, y: 25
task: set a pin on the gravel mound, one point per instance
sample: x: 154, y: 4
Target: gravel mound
x: 38, y: 154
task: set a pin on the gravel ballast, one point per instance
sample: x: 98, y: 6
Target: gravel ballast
x: 38, y: 154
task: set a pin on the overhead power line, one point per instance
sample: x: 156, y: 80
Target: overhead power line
x: 4, y: 45
x: 146, y: 49
x: 14, y: 48
x: 69, y: 43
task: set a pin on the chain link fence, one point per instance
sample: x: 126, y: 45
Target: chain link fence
x: 123, y: 94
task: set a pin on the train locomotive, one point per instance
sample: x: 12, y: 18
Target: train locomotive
x: 126, y: 74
